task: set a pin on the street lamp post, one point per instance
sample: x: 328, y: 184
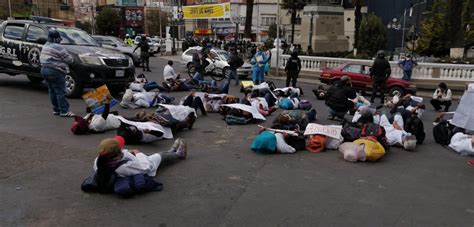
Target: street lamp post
x: 237, y: 19
x: 310, y: 40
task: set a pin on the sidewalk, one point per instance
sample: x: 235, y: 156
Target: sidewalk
x: 420, y: 92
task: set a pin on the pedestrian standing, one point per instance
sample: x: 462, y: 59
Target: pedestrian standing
x: 197, y: 62
x: 235, y: 62
x: 292, y: 69
x: 379, y: 74
x: 258, y: 61
x: 407, y: 65
x: 55, y: 61
x: 442, y: 97
x: 144, y: 54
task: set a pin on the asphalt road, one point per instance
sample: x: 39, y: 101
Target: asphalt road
x: 222, y: 183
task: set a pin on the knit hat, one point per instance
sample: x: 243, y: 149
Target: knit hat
x: 109, y: 147
x: 80, y: 126
x: 121, y: 141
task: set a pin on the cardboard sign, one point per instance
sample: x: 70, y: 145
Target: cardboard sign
x: 96, y: 99
x: 246, y: 83
x: 333, y: 131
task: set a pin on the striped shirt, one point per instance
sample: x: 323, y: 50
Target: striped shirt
x: 55, y: 56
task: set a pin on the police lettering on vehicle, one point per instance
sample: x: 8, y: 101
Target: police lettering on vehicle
x: 8, y: 53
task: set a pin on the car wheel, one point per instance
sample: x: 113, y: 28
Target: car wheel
x: 74, y: 87
x: 35, y: 79
x: 394, y: 90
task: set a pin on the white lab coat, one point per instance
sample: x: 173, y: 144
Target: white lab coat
x: 394, y: 136
x: 462, y: 143
x: 148, y: 138
x: 99, y: 124
x: 169, y: 73
x: 137, y: 164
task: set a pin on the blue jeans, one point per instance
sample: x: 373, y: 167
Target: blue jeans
x: 56, y: 82
x: 257, y: 74
x: 153, y: 85
x: 233, y: 75
x: 406, y: 75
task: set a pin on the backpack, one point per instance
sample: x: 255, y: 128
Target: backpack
x: 442, y: 133
x: 286, y: 104
x: 376, y: 132
x: 265, y: 142
x: 350, y: 133
x: 373, y: 149
x: 304, y: 105
x: 415, y: 126
x: 317, y: 143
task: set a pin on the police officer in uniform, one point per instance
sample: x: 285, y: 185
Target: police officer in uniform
x: 144, y: 54
x: 379, y: 73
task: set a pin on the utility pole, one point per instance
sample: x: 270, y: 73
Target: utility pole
x: 10, y: 8
x: 278, y: 39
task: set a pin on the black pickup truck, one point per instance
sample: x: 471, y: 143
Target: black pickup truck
x: 20, y: 47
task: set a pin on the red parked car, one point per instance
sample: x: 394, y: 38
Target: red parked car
x: 360, y: 75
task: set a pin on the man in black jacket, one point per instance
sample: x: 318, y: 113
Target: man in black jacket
x: 338, y: 98
x: 379, y: 73
x: 144, y: 55
x: 235, y: 62
x: 293, y: 68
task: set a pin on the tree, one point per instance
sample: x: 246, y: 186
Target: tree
x: 248, y: 19
x: 272, y: 31
x: 86, y: 26
x: 357, y: 19
x: 372, y: 35
x: 456, y: 31
x: 108, y: 22
x: 293, y: 6
x: 468, y: 23
x: 434, y: 37
x: 153, y: 19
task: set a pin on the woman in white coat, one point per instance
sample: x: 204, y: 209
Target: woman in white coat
x: 113, y: 159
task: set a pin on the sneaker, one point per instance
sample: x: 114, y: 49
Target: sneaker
x: 182, y: 149
x: 175, y: 145
x: 55, y: 113
x: 68, y: 114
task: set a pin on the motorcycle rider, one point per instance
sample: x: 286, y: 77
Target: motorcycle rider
x: 379, y: 73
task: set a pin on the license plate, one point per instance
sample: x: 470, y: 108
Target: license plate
x: 120, y: 73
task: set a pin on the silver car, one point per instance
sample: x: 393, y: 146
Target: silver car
x: 114, y: 43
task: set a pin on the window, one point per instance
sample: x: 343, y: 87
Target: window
x: 14, y: 31
x: 191, y: 52
x: 366, y: 69
x: 267, y: 21
x: 353, y: 69
x: 298, y: 21
x: 35, y: 33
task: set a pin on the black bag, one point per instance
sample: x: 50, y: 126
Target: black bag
x: 443, y: 132
x: 297, y: 142
x: 376, y: 131
x: 415, y: 126
x: 90, y: 184
x: 350, y: 133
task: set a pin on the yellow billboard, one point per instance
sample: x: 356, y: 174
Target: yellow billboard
x: 207, y: 11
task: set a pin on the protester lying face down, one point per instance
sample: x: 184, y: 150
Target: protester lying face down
x: 95, y: 123
x: 116, y: 168
x: 338, y: 98
x: 271, y: 142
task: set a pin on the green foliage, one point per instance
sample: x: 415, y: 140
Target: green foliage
x: 434, y: 36
x: 372, y: 35
x: 108, y: 22
x: 293, y: 5
x: 86, y: 26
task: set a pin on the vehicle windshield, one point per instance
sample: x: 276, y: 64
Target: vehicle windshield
x: 118, y: 41
x: 224, y: 55
x: 72, y: 36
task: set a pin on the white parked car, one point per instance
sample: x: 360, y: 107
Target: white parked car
x: 114, y: 43
x: 154, y: 47
x: 221, y: 58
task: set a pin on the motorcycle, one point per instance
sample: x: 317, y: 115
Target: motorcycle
x: 211, y: 70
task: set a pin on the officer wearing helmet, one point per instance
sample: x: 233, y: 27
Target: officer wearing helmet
x: 55, y: 61
x: 128, y: 40
x: 292, y: 69
x: 144, y: 55
x: 379, y: 73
